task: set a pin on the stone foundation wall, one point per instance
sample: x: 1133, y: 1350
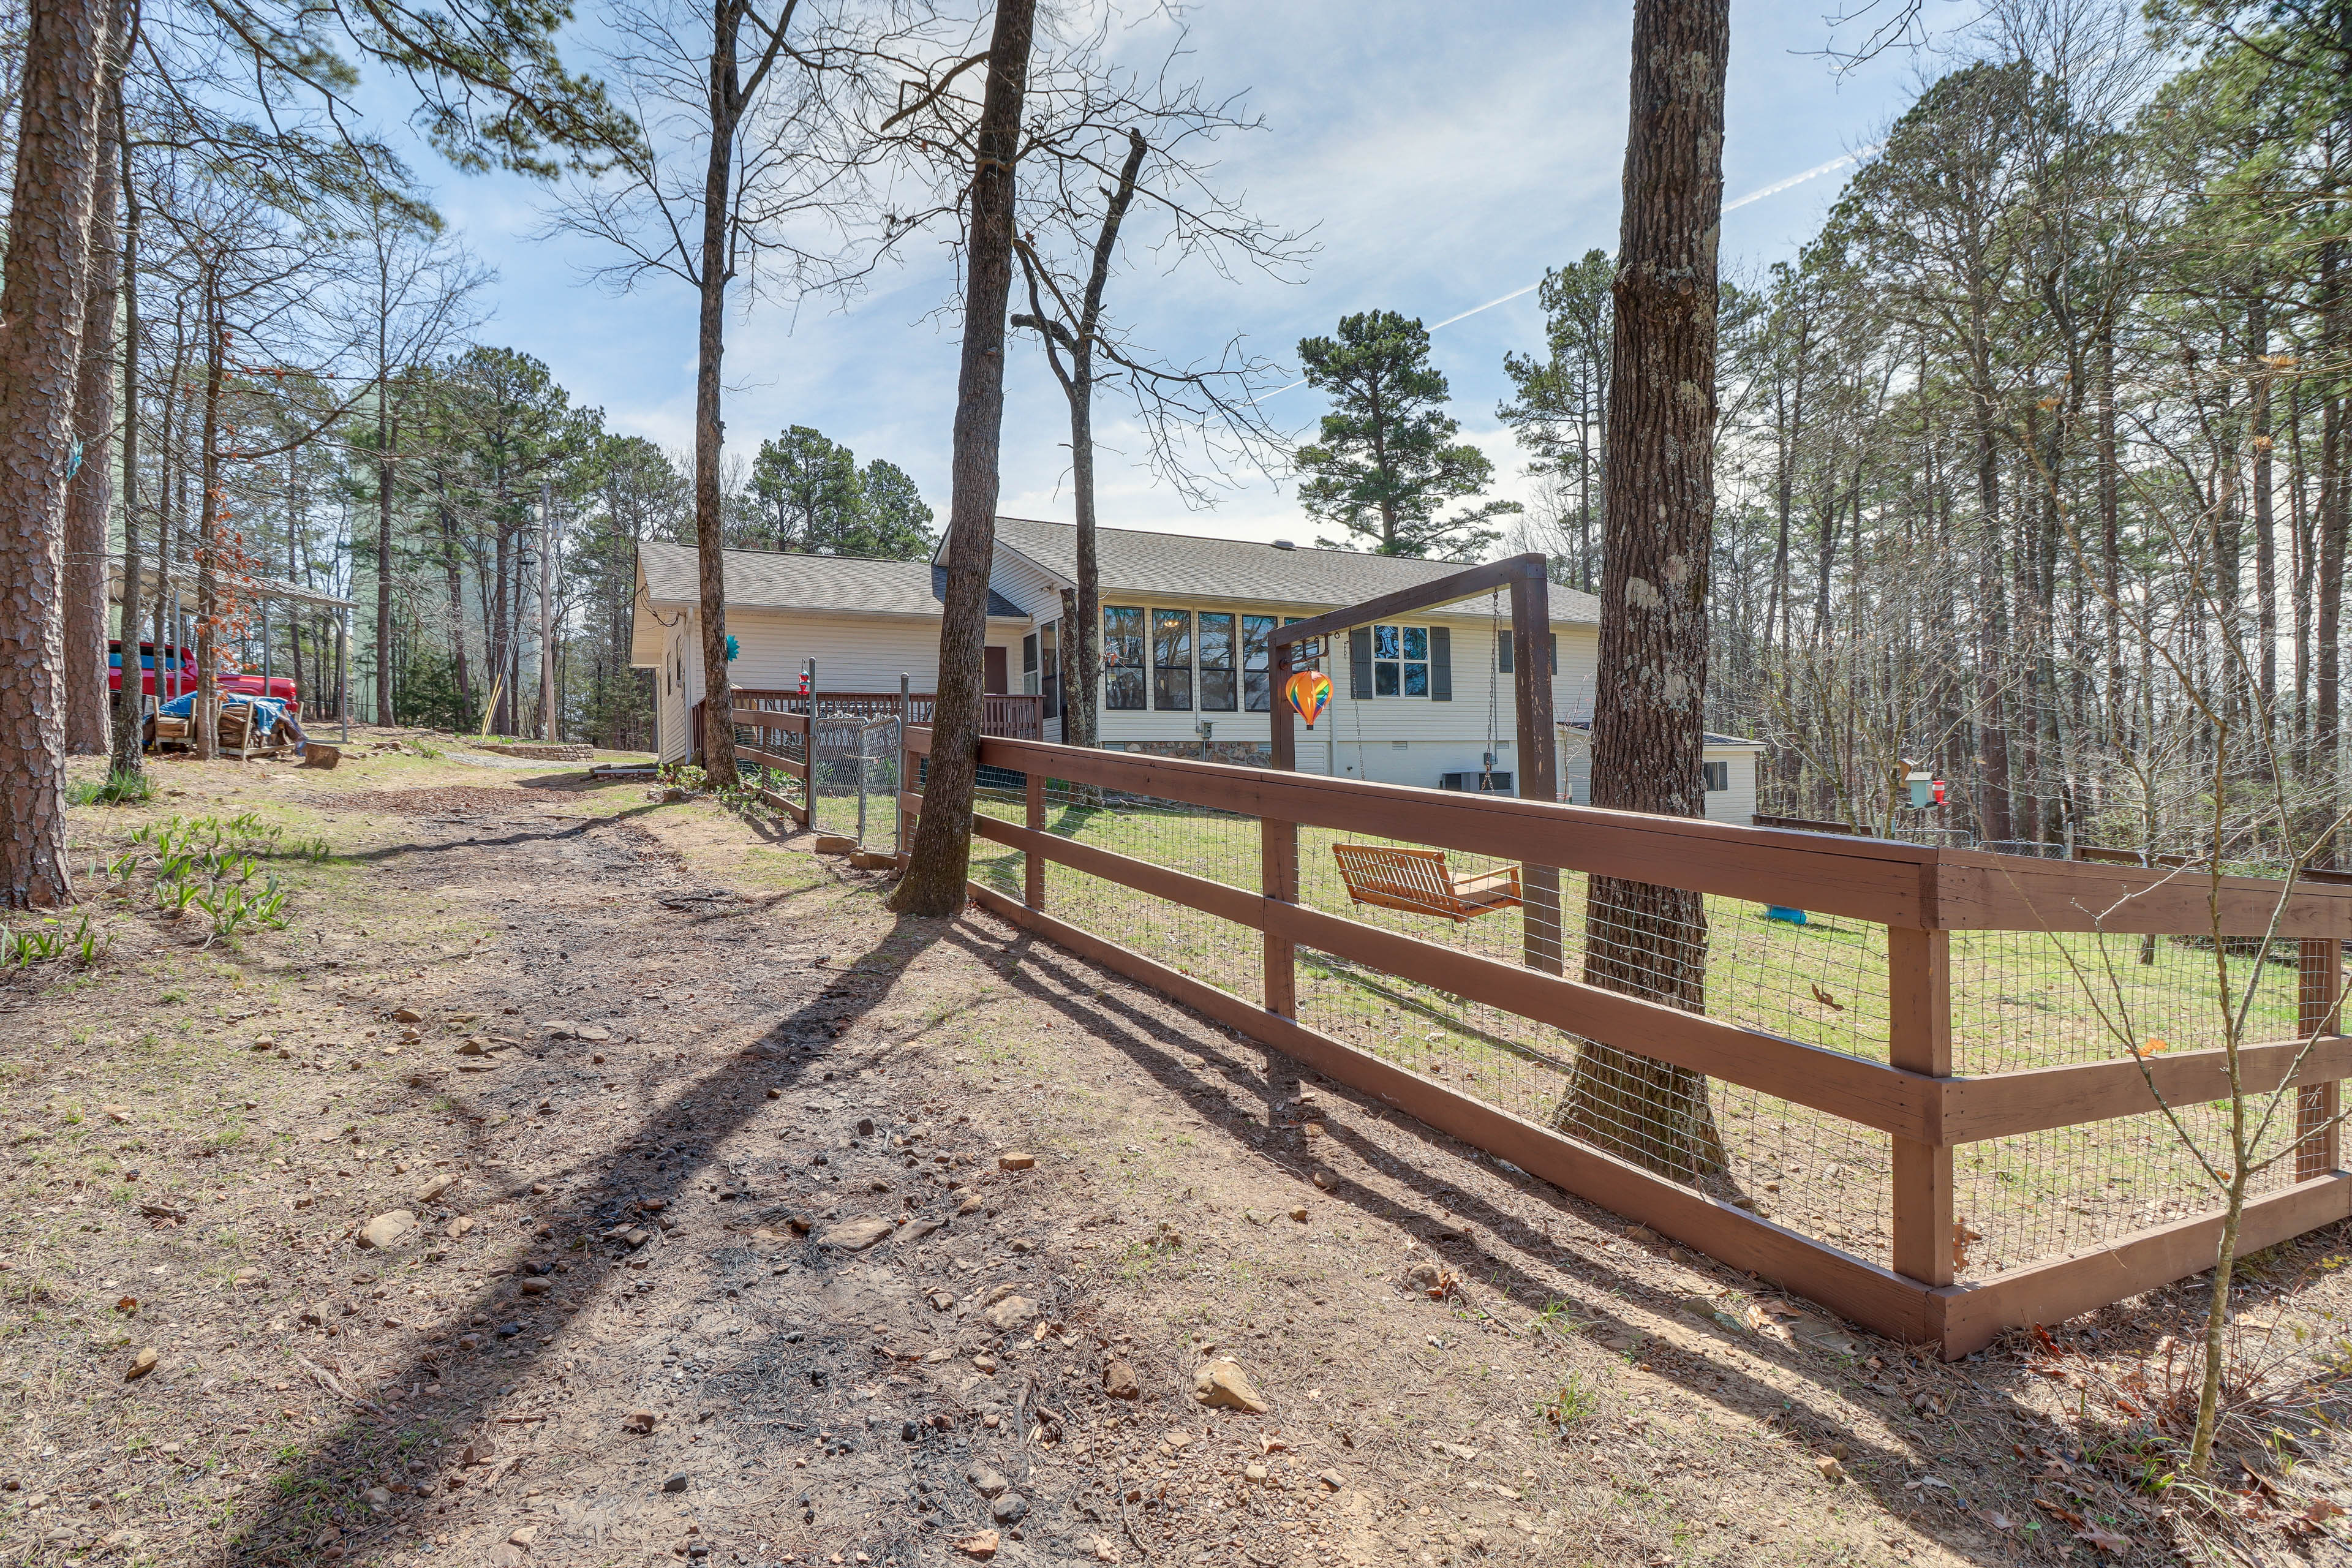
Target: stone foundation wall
x: 539, y: 752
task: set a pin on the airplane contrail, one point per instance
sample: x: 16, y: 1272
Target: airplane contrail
x: 1773, y: 189
x: 1834, y: 164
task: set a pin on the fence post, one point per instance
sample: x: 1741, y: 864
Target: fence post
x: 808, y: 766
x: 906, y: 787
x: 2321, y: 993
x: 905, y: 761
x: 1919, y: 1039
x: 1278, y: 842
x: 1540, y: 926
x: 1033, y: 881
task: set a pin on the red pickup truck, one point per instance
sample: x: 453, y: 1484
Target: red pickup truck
x: 179, y: 675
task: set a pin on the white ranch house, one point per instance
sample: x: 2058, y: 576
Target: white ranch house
x: 1185, y: 619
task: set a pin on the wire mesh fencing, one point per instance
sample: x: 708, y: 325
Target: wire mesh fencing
x: 2018, y: 1000
x: 855, y: 776
x: 1823, y: 982
x: 2022, y: 1000
x: 769, y: 759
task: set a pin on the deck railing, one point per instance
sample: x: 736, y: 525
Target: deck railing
x: 1014, y: 718
x: 1935, y: 1105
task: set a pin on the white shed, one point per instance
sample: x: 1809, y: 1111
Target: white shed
x: 1729, y: 761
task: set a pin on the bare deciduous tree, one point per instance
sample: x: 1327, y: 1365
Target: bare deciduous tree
x: 750, y: 166
x: 941, y: 859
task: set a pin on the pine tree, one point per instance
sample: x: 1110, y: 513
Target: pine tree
x: 1388, y: 461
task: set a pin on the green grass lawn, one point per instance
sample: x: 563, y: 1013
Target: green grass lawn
x: 2020, y: 1000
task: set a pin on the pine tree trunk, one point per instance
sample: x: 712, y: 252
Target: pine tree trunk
x: 91, y: 492
x: 939, y: 863
x: 1088, y: 622
x: 1648, y: 714
x: 130, y: 698
x: 384, y: 694
x: 2111, y: 536
x: 41, y: 285
x: 710, y: 429
x: 2257, y: 348
x: 205, y: 713
x: 2327, y: 652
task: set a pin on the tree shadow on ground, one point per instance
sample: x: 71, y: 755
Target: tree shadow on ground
x: 1447, y: 1215
x: 313, y: 1509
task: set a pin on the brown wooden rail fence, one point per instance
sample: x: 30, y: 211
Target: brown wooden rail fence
x: 764, y: 717
x: 1923, y: 899
x: 1017, y: 717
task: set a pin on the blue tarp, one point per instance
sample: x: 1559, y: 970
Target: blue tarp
x: 269, y: 712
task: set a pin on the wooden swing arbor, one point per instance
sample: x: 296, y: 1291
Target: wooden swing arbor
x: 1400, y: 879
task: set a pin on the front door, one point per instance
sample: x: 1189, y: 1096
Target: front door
x: 992, y: 672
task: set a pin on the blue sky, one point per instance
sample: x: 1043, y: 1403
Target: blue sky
x: 1442, y: 162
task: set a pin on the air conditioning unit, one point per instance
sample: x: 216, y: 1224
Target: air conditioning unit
x: 1497, y: 783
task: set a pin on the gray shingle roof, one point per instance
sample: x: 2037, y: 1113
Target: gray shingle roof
x: 1135, y: 562
x: 774, y: 580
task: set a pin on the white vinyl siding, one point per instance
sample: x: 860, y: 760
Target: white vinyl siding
x: 1735, y: 805
x: 1025, y: 585
x: 671, y: 730
x: 852, y: 652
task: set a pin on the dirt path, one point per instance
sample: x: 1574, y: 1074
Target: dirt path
x: 711, y: 1253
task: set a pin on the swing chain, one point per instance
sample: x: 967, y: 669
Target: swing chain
x: 1494, y: 677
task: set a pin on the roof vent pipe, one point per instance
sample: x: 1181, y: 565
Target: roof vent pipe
x: 1284, y: 545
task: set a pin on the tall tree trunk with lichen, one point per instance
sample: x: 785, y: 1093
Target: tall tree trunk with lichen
x: 709, y: 428
x: 1648, y: 712
x: 41, y: 285
x: 940, y: 862
x: 205, y: 713
x: 91, y: 492
x: 384, y: 439
x: 130, y: 696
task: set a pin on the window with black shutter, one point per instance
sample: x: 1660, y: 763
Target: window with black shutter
x: 1503, y: 651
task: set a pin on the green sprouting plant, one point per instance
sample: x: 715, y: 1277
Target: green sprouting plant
x: 50, y: 939
x: 1571, y: 1402
x: 173, y: 897
x: 24, y: 948
x: 232, y: 906
x: 118, y: 788
x: 227, y: 908
x: 16, y: 947
x: 122, y: 867
x: 269, y: 906
x: 1564, y: 1318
